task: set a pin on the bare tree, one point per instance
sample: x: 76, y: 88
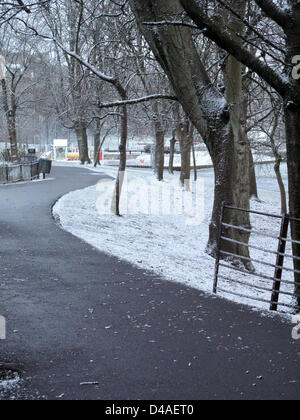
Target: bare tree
x: 19, y: 77
x: 273, y: 141
x: 284, y: 79
x: 206, y: 107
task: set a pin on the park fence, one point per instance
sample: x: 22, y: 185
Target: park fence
x: 271, y: 283
x: 19, y: 172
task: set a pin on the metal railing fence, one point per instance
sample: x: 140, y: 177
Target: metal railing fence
x: 19, y: 172
x: 271, y: 284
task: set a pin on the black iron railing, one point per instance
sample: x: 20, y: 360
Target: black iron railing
x: 19, y: 172
x: 271, y: 283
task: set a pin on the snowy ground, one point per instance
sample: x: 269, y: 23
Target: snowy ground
x: 8, y: 381
x: 171, y: 244
x: 202, y: 159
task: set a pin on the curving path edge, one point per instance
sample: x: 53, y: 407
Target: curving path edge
x: 76, y: 315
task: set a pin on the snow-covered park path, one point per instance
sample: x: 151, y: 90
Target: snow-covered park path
x: 77, y: 316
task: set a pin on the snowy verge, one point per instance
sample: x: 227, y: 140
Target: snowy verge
x: 167, y: 244
x: 9, y: 381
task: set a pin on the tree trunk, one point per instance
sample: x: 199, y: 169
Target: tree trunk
x: 246, y: 86
x: 253, y: 182
x: 239, y: 159
x: 185, y: 174
x: 115, y: 207
x: 229, y: 189
x: 172, y: 153
x: 159, y: 154
x: 13, y: 137
x: 11, y: 122
x: 185, y: 140
x: 292, y: 122
x: 194, y: 162
x: 82, y: 140
x: 281, y: 187
x: 159, y: 151
x: 97, y: 148
x: 207, y: 109
x: 292, y: 116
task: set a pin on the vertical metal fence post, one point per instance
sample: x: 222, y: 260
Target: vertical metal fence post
x: 279, y: 262
x: 218, y: 254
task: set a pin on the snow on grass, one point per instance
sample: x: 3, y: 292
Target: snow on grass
x: 202, y: 159
x: 170, y: 247
x: 10, y: 382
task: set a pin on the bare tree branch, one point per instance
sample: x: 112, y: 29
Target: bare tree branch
x: 274, y: 12
x: 214, y: 32
x: 24, y: 7
x: 138, y: 100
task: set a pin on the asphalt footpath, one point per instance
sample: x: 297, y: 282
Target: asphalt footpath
x: 84, y: 325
